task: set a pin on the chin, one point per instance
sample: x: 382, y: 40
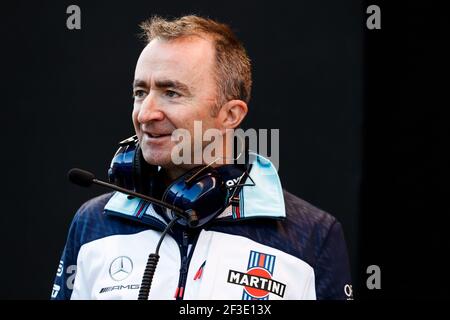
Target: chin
x: 157, y: 158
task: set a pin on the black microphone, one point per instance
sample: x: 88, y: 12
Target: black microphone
x: 85, y: 178
x: 80, y: 177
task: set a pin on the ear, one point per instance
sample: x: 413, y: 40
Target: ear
x: 232, y: 113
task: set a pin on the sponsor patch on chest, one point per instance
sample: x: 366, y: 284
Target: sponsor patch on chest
x: 258, y: 280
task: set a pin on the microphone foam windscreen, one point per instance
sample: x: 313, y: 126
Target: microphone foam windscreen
x: 80, y: 177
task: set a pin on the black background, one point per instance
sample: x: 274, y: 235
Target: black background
x: 404, y: 213
x: 361, y: 119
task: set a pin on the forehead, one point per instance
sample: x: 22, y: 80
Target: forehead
x: 188, y: 59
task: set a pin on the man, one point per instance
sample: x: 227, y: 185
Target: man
x: 268, y: 245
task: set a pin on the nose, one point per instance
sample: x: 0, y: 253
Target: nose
x: 149, y: 110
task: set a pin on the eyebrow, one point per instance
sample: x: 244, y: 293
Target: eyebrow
x: 172, y: 84
x: 139, y: 83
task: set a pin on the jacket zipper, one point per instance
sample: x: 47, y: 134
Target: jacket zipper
x: 185, y: 260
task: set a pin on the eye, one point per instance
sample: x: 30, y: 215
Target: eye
x: 139, y: 94
x: 172, y: 94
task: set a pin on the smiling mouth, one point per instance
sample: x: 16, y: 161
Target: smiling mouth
x: 156, y: 136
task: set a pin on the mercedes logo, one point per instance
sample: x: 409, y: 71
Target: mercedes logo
x: 120, y: 268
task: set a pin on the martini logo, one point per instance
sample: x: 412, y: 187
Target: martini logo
x: 257, y: 281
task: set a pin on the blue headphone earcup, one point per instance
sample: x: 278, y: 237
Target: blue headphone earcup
x: 206, y: 195
x: 143, y: 173
x: 121, y: 169
x: 129, y: 170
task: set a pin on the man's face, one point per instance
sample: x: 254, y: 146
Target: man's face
x: 173, y: 86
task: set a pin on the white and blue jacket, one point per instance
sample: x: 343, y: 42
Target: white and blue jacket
x: 270, y: 246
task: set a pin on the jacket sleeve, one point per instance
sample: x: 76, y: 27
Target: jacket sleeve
x: 67, y: 268
x: 333, y: 280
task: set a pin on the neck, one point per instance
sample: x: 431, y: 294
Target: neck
x: 223, y: 155
x: 170, y: 174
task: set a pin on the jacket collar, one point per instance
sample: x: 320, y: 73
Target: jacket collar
x: 264, y: 199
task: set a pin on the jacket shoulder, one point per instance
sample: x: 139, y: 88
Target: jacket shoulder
x: 307, y: 215
x: 94, y: 206
x: 91, y: 223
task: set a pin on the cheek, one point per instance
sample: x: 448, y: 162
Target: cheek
x: 135, y: 110
x: 134, y: 116
x: 181, y: 118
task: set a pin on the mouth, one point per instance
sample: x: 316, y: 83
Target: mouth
x: 156, y: 136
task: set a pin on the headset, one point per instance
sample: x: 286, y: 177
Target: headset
x: 192, y: 200
x: 203, y: 192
